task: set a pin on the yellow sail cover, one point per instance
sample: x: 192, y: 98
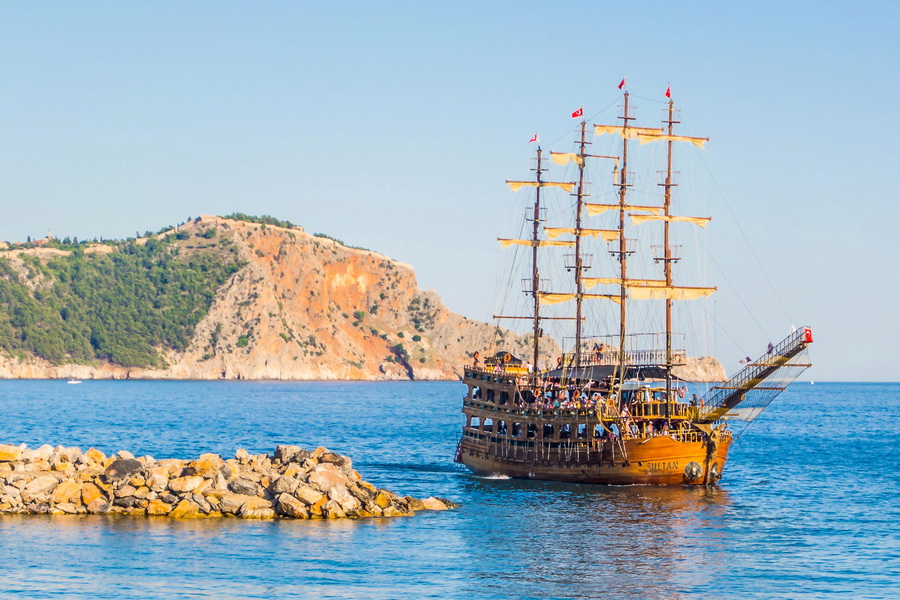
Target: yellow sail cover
x: 591, y: 282
x: 596, y: 209
x: 517, y: 185
x: 562, y: 158
x: 631, y: 133
x: 647, y: 138
x: 700, y: 221
x: 555, y: 298
x: 505, y: 243
x: 608, y: 235
x: 667, y: 293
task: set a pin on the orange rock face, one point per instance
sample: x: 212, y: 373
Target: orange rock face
x: 308, y: 307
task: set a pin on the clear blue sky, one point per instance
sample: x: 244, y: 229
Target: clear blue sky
x: 393, y: 126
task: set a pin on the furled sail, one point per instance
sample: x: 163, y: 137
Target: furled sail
x: 517, y: 185
x: 590, y: 282
x: 556, y: 298
x: 630, y: 133
x: 596, y: 209
x: 562, y: 158
x: 638, y: 219
x: 505, y: 243
x: 638, y: 292
x: 608, y: 235
x: 656, y: 137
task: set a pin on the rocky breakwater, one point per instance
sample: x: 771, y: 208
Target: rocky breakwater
x: 292, y: 483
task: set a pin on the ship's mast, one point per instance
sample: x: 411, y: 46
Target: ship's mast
x: 535, y: 276
x: 667, y: 256
x: 579, y: 270
x: 623, y: 250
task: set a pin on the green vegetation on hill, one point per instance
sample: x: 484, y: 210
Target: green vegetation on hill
x: 265, y: 220
x: 123, y: 307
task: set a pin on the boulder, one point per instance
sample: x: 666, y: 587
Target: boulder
x: 332, y: 510
x: 185, y: 510
x: 125, y: 502
x: 288, y: 454
x: 283, y: 485
x: 125, y: 491
x: 344, y: 498
x: 93, y: 456
x: 307, y: 495
x: 98, y: 506
x: 43, y: 453
x: 231, y: 503
x: 207, y: 466
x: 67, y: 508
x: 11, y: 453
x: 121, y: 468
x: 157, y: 478
x: 434, y: 504
x: 39, y: 486
x: 384, y: 499
x: 257, y: 508
x: 181, y: 485
x: 291, y: 507
x: 173, y: 466
x: 158, y: 508
x: 326, y: 476
x: 90, y: 492
x: 244, y: 486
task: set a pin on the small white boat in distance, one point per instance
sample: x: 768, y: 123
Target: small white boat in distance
x: 73, y: 381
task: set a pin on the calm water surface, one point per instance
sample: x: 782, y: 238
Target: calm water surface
x: 808, y: 506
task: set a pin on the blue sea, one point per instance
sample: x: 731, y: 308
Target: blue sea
x: 809, y: 505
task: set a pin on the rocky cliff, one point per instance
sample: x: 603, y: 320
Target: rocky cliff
x: 304, y: 307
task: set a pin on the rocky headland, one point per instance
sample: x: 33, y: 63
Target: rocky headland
x: 295, y: 306
x: 291, y: 483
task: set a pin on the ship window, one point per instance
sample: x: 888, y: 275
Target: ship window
x: 565, y: 432
x: 474, y: 422
x: 490, y: 395
x: 582, y: 432
x: 526, y: 396
x: 532, y: 430
x: 517, y: 430
x: 598, y: 431
x: 488, y: 425
x: 504, y: 397
x: 476, y: 393
x: 501, y: 427
x: 548, y: 431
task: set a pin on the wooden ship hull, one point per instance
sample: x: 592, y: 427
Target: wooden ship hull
x: 503, y: 436
x: 657, y: 461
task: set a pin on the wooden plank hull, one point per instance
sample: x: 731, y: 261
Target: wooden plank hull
x: 658, y: 460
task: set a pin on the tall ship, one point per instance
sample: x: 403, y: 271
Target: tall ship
x: 610, y: 409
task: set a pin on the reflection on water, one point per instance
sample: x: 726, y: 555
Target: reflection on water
x: 597, y: 540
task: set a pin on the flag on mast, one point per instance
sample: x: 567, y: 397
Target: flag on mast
x: 669, y: 92
x: 534, y: 138
x: 578, y: 113
x: 622, y: 84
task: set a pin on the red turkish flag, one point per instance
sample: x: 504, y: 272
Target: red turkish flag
x: 534, y: 138
x: 578, y: 113
x: 622, y: 84
x: 669, y: 92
